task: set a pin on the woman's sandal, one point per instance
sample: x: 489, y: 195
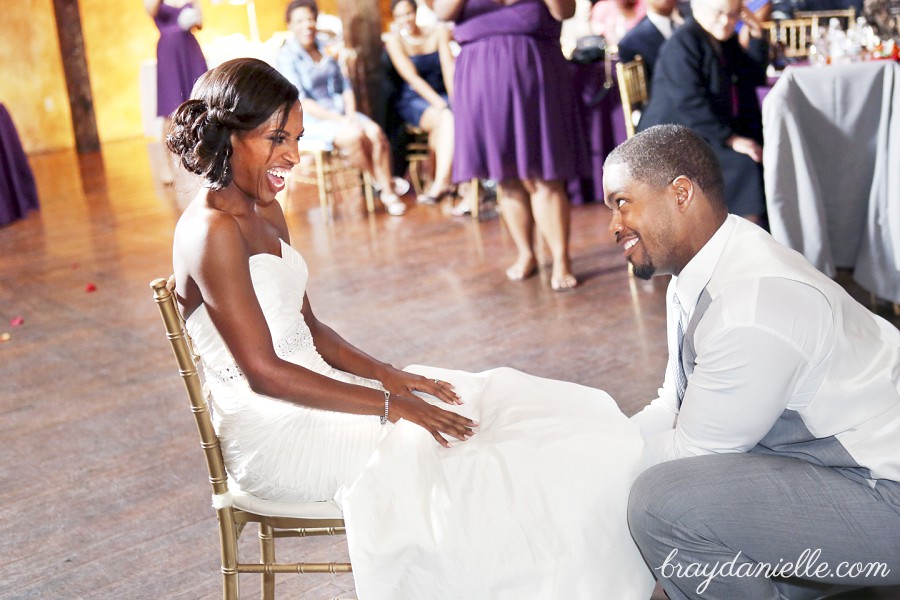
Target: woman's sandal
x: 394, y: 205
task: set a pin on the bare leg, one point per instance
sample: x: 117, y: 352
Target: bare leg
x: 380, y: 156
x: 516, y: 210
x: 439, y: 125
x: 550, y: 206
x: 356, y: 141
x: 353, y: 141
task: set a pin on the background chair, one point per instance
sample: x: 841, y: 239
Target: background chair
x: 795, y: 34
x: 418, y: 155
x: 820, y: 18
x: 632, y: 80
x: 235, y: 509
x: 330, y: 172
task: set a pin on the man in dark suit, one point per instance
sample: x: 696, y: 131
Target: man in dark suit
x: 706, y: 80
x: 663, y: 16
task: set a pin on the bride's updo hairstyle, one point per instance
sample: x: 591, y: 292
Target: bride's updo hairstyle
x: 235, y: 97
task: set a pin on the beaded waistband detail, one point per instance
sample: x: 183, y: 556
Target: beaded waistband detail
x: 299, y: 339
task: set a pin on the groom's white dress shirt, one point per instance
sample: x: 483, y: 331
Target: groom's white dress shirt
x: 782, y: 361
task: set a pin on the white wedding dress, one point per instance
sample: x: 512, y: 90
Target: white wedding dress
x: 531, y: 507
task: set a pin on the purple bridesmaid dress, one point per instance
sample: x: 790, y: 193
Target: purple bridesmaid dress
x: 179, y: 60
x: 18, y: 194
x: 515, y: 108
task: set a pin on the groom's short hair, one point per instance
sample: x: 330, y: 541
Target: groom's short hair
x: 660, y: 154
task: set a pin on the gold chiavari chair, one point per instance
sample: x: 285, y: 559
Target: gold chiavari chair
x: 820, y: 18
x: 235, y: 509
x: 417, y: 154
x: 329, y: 172
x: 795, y: 34
x: 632, y: 79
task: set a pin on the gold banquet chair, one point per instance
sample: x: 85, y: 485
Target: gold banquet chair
x: 632, y: 79
x: 820, y: 18
x: 418, y: 154
x: 330, y: 172
x: 234, y: 509
x: 795, y: 34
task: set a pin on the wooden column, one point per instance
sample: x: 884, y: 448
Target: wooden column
x: 78, y: 82
x: 362, y: 32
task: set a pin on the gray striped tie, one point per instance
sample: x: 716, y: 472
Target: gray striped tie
x: 678, y: 368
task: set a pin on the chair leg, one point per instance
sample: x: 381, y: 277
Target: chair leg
x: 414, y: 175
x: 322, y: 183
x: 267, y: 556
x: 228, y: 542
x: 370, y: 196
x: 475, y: 194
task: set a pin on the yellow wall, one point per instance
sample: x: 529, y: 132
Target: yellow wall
x: 118, y: 37
x: 32, y: 83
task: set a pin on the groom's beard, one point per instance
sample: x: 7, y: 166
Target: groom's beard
x: 645, y: 270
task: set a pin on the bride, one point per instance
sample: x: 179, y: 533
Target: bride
x: 453, y: 485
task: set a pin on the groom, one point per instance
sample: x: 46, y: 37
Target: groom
x: 775, y: 439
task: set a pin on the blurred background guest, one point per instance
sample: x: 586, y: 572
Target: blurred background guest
x: 179, y: 59
x: 614, y: 18
x: 706, y: 80
x: 762, y: 10
x: 517, y: 120
x: 884, y: 16
x: 329, y: 106
x: 422, y: 57
x: 647, y: 37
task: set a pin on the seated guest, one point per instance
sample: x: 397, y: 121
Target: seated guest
x: 614, y: 18
x: 421, y: 56
x: 329, y: 107
x: 885, y: 21
x: 648, y: 35
x: 705, y: 79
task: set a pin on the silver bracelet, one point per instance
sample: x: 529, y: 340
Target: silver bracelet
x: 387, y: 407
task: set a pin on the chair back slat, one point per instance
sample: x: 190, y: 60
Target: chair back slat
x: 796, y: 35
x: 820, y: 18
x: 163, y: 293
x: 632, y: 79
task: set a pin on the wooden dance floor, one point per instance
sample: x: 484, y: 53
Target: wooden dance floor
x: 104, y: 491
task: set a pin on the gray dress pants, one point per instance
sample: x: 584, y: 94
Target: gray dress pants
x: 763, y: 527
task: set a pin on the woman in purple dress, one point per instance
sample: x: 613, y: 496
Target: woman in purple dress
x: 516, y: 119
x: 179, y: 60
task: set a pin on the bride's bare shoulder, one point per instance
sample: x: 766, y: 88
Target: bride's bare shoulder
x: 202, y: 229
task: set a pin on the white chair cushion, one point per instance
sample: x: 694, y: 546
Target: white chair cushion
x: 306, y: 510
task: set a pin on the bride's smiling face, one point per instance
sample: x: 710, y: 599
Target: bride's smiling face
x: 263, y: 157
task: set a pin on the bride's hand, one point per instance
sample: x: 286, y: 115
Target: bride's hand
x: 401, y: 382
x: 433, y: 419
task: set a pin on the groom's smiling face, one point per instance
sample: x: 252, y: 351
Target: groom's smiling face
x: 641, y: 223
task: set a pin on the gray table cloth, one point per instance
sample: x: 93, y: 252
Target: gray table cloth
x: 832, y: 169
